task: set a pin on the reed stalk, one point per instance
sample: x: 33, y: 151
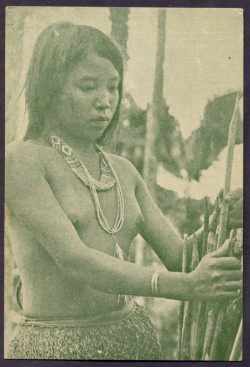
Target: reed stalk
x: 186, y: 332
x: 198, y: 309
x: 206, y: 226
x: 193, y: 329
x: 202, y: 311
x: 233, y: 318
x: 216, y: 352
x: 189, y: 330
x: 213, y: 329
x: 217, y: 348
x: 190, y: 327
x: 212, y: 315
x: 182, y: 304
x: 236, y: 354
x: 228, y: 176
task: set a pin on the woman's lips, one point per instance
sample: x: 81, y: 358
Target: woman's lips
x: 100, y: 122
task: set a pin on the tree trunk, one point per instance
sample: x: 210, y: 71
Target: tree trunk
x: 150, y: 157
x: 119, y: 29
x: 15, y: 22
x: 152, y: 128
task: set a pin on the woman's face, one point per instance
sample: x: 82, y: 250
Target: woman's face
x: 88, y: 99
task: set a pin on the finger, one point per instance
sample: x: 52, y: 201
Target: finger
x: 218, y: 199
x: 237, y: 193
x: 226, y: 295
x: 235, y: 223
x: 235, y: 218
x: 230, y: 286
x: 231, y: 275
x: 234, y: 195
x: 236, y: 206
x: 222, y: 251
x: 226, y: 263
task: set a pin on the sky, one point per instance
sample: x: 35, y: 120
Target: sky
x: 203, y: 58
x: 211, y: 180
x: 203, y: 53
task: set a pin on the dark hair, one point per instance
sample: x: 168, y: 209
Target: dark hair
x: 58, y: 48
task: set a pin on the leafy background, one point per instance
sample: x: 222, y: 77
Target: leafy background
x: 202, y: 75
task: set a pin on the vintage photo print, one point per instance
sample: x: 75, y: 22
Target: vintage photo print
x: 123, y: 183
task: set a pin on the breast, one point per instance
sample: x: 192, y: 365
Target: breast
x: 76, y: 201
x: 77, y: 205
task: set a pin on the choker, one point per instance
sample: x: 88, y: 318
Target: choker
x: 106, y: 182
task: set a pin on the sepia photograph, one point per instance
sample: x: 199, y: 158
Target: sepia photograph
x: 123, y: 235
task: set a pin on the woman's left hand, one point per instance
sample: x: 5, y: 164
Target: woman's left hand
x: 235, y: 215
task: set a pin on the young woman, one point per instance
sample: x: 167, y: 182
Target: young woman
x: 73, y: 211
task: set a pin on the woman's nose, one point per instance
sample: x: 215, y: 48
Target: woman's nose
x: 102, y: 100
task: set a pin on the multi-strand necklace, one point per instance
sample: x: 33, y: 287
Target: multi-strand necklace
x: 108, y: 179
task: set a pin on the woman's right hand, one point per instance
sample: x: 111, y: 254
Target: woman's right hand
x: 217, y: 276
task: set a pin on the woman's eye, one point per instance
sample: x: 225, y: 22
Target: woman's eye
x: 87, y: 87
x: 113, y: 88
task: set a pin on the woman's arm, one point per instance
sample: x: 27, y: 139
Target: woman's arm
x: 163, y: 237
x: 158, y: 232
x: 31, y: 198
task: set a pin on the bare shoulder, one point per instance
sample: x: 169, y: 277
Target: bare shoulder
x: 19, y: 148
x: 21, y: 155
x: 121, y: 163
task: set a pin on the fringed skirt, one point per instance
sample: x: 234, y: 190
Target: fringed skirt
x: 127, y: 334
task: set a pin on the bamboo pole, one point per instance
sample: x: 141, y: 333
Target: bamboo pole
x: 184, y: 254
x: 209, y: 333
x: 199, y: 310
x: 152, y: 127
x: 189, y: 329
x: 215, y: 353
x: 236, y: 354
x: 182, y: 304
x: 206, y: 226
x: 233, y: 318
x: 214, y: 314
x: 211, y: 314
x: 186, y: 332
x: 228, y: 176
x: 194, y: 306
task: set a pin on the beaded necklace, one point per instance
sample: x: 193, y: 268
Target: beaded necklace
x: 108, y: 179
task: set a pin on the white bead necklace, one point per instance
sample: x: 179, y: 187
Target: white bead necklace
x: 81, y: 171
x: 108, y: 179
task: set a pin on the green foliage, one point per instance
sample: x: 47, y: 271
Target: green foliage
x: 206, y: 142
x: 169, y: 145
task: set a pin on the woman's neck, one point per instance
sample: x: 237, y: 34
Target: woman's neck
x: 82, y: 147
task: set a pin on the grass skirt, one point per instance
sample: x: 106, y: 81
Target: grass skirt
x: 131, y: 337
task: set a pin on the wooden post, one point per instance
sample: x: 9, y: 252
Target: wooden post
x: 230, y: 153
x: 236, y: 354
x: 217, y: 313
x: 150, y: 156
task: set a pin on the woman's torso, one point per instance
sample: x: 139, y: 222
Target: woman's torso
x: 47, y: 291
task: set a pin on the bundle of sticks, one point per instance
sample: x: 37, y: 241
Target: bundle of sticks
x: 213, y: 330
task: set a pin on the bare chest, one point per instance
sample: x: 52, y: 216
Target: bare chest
x: 77, y: 202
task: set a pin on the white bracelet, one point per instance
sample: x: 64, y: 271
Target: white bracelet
x: 154, y: 284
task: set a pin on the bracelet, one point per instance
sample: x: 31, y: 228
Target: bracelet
x: 154, y: 284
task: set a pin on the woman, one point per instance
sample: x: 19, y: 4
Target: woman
x: 73, y: 211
